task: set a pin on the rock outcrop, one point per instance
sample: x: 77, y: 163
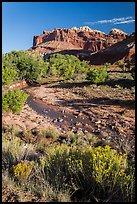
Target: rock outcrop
x: 115, y: 31
x: 123, y: 50
x: 83, y: 38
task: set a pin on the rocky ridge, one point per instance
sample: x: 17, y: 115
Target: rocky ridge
x: 83, y: 38
x: 123, y: 50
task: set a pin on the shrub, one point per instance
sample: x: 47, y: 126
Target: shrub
x: 9, y: 74
x: 13, y: 100
x: 14, y: 150
x: 133, y: 72
x: 121, y: 64
x: 22, y: 170
x: 127, y: 66
x: 130, y: 65
x: 66, y: 66
x: 100, y: 170
x: 29, y: 67
x: 102, y: 173
x: 51, y: 132
x: 97, y: 75
x: 107, y: 65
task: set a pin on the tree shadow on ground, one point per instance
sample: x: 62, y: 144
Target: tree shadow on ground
x: 69, y: 85
x: 37, y: 84
x: 125, y: 83
x: 118, y: 71
x: 88, y: 103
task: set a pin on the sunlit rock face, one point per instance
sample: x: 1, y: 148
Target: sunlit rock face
x: 122, y: 50
x: 83, y: 38
x: 114, y: 31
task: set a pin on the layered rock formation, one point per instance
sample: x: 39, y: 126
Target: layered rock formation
x: 86, y: 43
x: 123, y: 50
x: 83, y: 38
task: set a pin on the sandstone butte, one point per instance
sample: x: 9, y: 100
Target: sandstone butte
x: 86, y: 43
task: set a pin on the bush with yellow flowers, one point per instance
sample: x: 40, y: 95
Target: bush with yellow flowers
x: 100, y: 170
x: 107, y: 163
x: 22, y: 170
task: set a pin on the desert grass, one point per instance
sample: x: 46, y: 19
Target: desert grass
x: 70, y: 171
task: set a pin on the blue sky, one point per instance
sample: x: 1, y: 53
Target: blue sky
x: 22, y: 20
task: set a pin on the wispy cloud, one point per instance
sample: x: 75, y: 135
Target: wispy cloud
x: 122, y: 20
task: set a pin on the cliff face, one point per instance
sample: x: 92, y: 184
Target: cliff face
x: 86, y: 43
x: 124, y: 49
x: 82, y: 38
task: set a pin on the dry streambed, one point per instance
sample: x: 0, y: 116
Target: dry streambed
x: 69, y: 111
x: 48, y: 105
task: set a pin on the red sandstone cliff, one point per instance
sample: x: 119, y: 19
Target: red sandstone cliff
x: 124, y: 49
x: 83, y: 38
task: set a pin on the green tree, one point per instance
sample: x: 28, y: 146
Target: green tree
x: 29, y: 66
x: 66, y: 66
